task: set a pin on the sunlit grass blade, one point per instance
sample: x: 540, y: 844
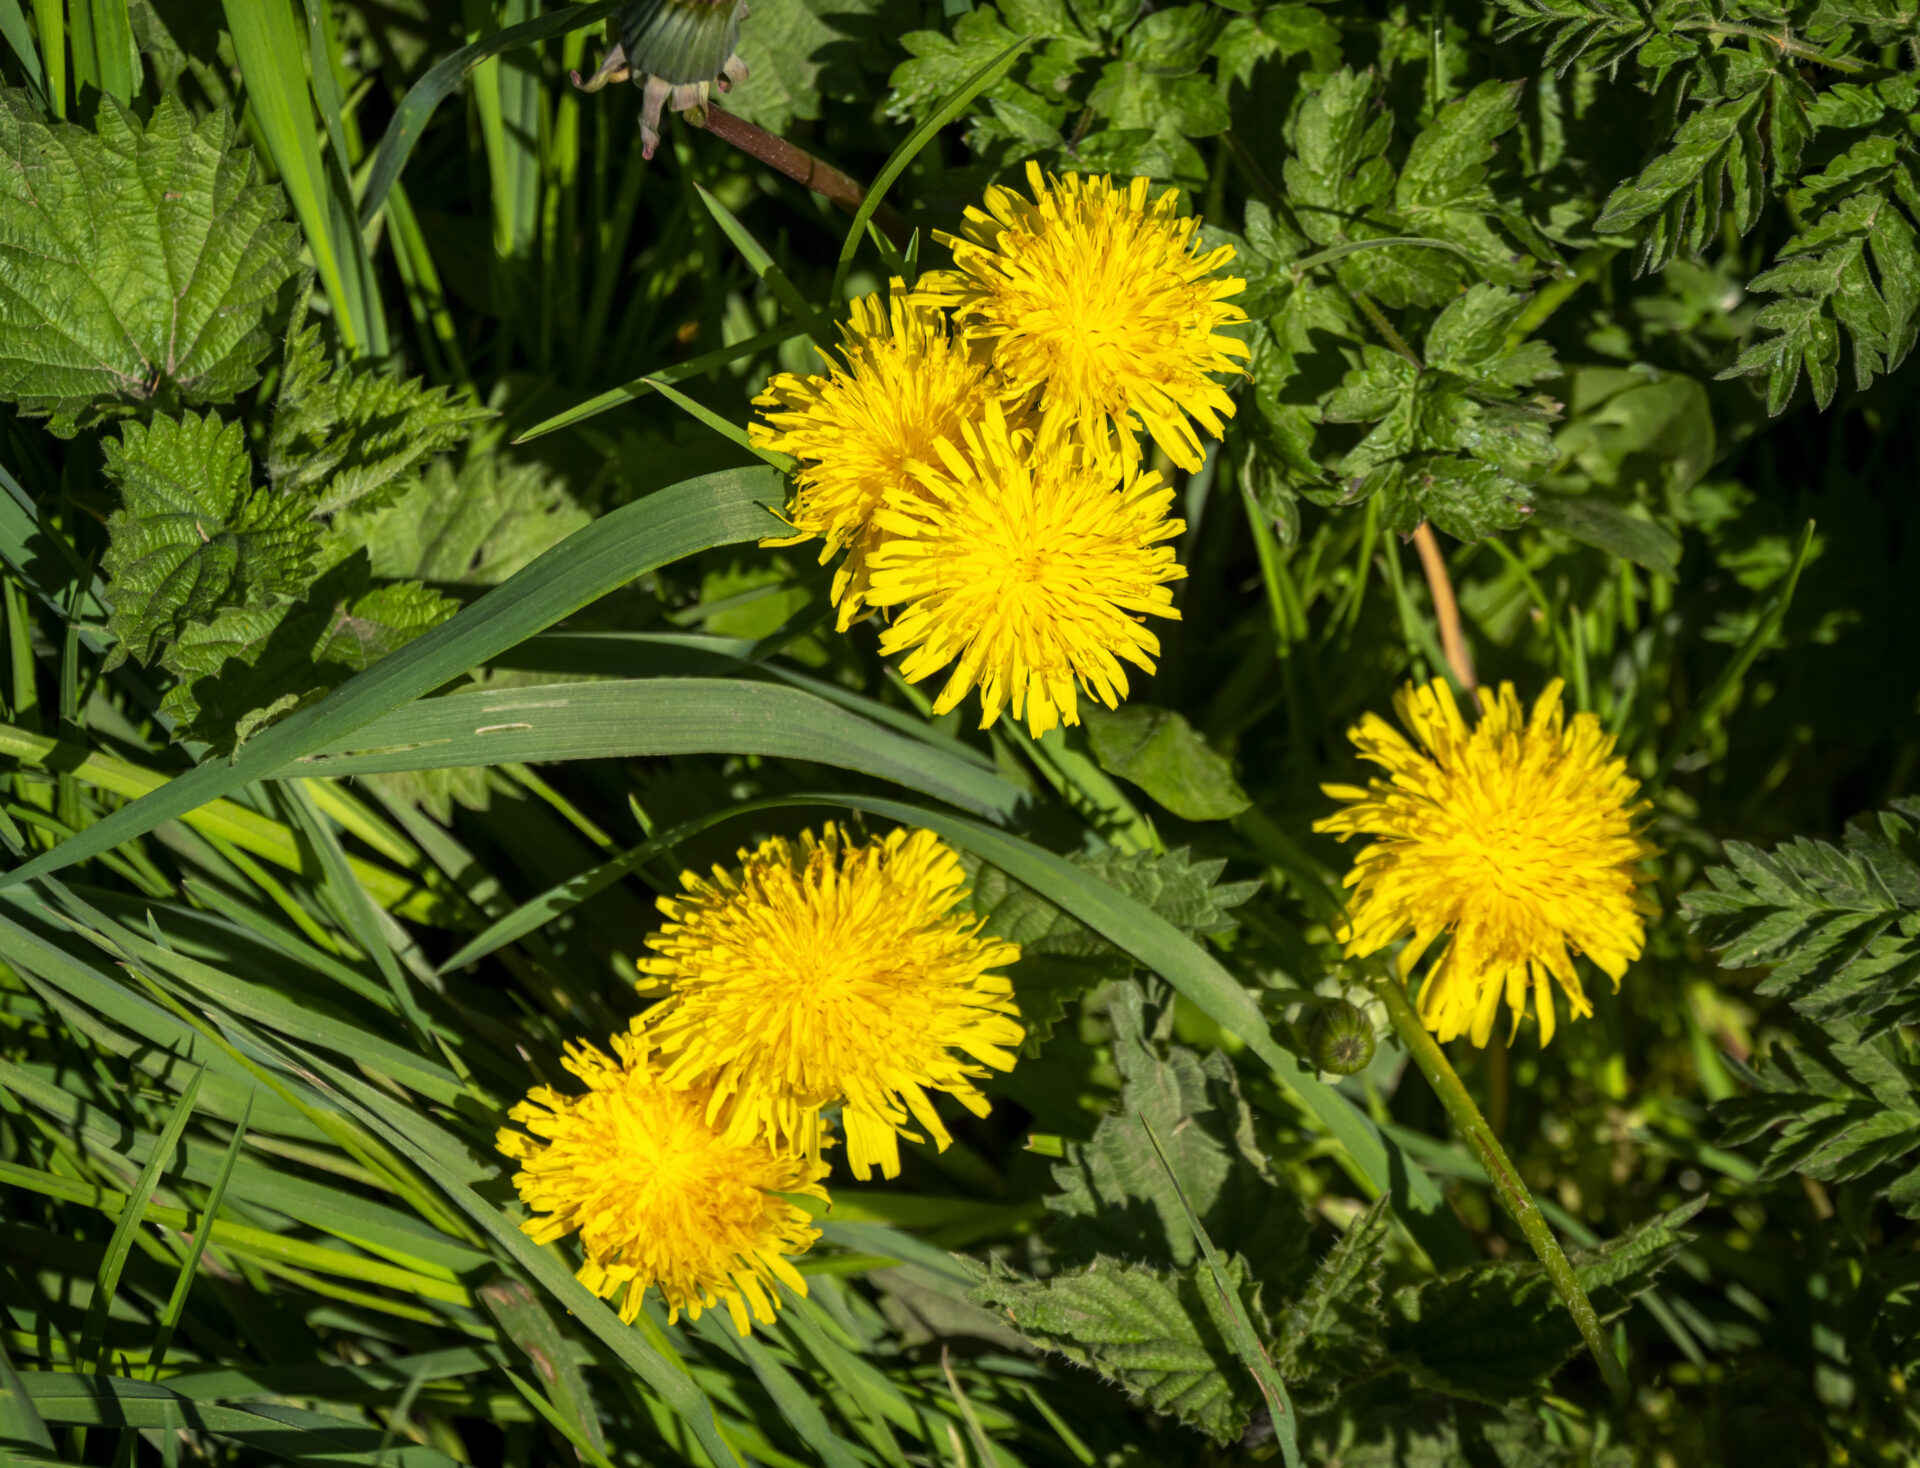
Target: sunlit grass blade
x: 21, y: 1426
x: 715, y: 509
x: 102, y: 36
x: 653, y: 716
x: 985, y: 76
x: 417, y: 107
x: 528, y: 1325
x: 190, y: 1265
x: 641, y: 387
x: 271, y: 52
x: 721, y: 425
x: 50, y: 22
x: 353, y: 904
x: 264, y: 1431
x: 1246, y: 1344
x: 19, y: 38
x: 107, y: 1283
x: 765, y: 270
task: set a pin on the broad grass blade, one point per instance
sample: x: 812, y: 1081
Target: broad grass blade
x: 715, y: 509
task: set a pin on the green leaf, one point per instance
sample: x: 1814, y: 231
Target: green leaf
x: 1061, y: 958
x: 252, y: 665
x: 347, y: 437
x: 1336, y: 1328
x: 168, y: 306
x: 1610, y: 525
x: 1158, y: 750
x: 1159, y: 1335
x: 193, y: 536
x: 797, y: 54
x: 1715, y: 156
x: 474, y: 526
x: 1495, y: 1331
x: 1115, y: 1197
x: 527, y: 1323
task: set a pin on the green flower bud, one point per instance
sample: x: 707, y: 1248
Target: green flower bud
x: 1342, y: 1039
x: 676, y: 52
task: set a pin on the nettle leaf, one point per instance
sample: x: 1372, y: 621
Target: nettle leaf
x: 1061, y: 958
x: 1115, y: 1196
x: 349, y: 437
x: 474, y: 526
x: 137, y: 265
x: 1159, y: 1335
x: 1839, y: 928
x: 1158, y: 750
x: 193, y: 534
x: 251, y: 665
x: 798, y: 53
x: 1495, y: 1331
x: 1336, y: 1328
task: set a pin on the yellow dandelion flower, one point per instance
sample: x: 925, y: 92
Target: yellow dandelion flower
x: 827, y: 971
x: 1095, y: 298
x: 658, y: 1195
x: 1031, y: 570
x: 1517, y: 838
x: 904, y: 384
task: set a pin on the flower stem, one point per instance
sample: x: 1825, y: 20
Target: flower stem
x: 1507, y: 1187
x: 1446, y: 609
x: 802, y: 167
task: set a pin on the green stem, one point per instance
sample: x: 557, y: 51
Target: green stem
x: 1512, y: 1193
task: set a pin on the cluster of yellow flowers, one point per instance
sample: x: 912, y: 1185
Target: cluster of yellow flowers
x: 821, y: 972
x: 977, y: 455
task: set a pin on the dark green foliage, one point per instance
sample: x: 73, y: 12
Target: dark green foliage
x: 1159, y: 751
x: 137, y: 265
x: 1494, y: 1331
x: 1837, y: 927
x: 193, y: 534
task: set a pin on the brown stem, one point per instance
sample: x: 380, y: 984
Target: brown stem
x: 802, y: 167
x: 1446, y: 610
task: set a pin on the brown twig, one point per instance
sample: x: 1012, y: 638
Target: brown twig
x: 1446, y: 610
x: 802, y: 167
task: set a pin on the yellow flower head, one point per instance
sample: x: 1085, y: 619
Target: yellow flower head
x: 1518, y: 838
x: 1093, y: 295
x: 855, y: 430
x: 659, y: 1197
x: 827, y: 971
x: 1032, y: 569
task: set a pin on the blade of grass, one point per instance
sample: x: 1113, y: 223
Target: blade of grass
x: 424, y: 96
x: 714, y: 509
x: 20, y: 1424
x: 640, y: 387
x: 725, y: 427
x: 49, y: 18
x: 271, y: 54
x: 92, y: 1354
x: 653, y: 716
x: 1246, y: 1344
x: 13, y: 26
x: 190, y: 1265
x: 982, y: 78
x: 766, y: 271
x: 353, y: 904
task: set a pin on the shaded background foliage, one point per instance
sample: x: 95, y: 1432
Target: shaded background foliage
x: 1636, y: 351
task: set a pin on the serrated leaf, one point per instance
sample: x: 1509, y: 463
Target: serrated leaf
x: 1336, y: 1328
x: 251, y: 665
x: 349, y: 437
x: 1160, y: 1335
x: 474, y: 526
x: 1158, y: 750
x: 1495, y: 1331
x: 1114, y: 1194
x: 168, y: 304
x: 192, y: 534
x: 797, y: 54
